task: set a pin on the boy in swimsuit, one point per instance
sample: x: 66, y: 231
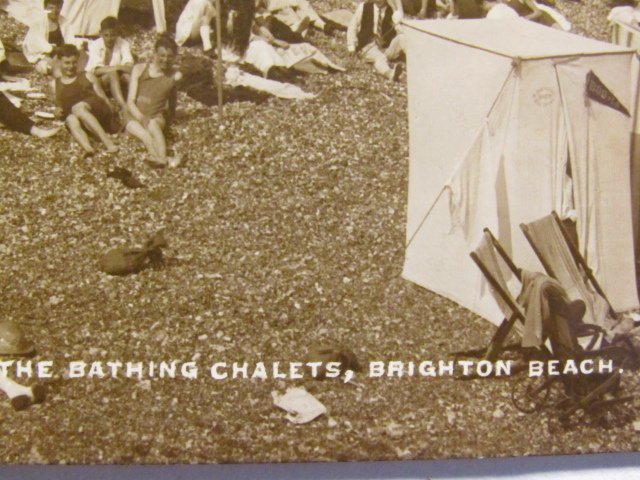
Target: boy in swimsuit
x: 152, y: 101
x: 83, y: 102
x: 110, y: 60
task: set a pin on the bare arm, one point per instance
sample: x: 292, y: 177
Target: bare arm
x: 97, y: 87
x: 116, y: 68
x: 133, y: 92
x: 52, y: 85
x: 173, y: 103
x: 173, y: 96
x: 56, y: 99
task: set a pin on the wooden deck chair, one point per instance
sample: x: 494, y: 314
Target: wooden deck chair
x: 491, y: 259
x: 562, y: 260
x: 593, y: 393
x: 624, y: 34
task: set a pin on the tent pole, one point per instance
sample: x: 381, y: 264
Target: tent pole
x: 219, y: 62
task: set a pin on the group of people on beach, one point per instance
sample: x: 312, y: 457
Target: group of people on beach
x: 81, y: 80
x: 100, y: 90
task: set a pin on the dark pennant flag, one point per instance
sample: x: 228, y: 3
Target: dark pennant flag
x: 598, y: 91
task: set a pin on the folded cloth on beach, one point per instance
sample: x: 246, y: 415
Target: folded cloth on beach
x: 126, y: 260
x: 236, y: 78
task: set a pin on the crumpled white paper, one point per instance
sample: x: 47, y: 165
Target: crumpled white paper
x: 301, y: 405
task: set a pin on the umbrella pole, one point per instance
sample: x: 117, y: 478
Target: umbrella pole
x: 219, y: 62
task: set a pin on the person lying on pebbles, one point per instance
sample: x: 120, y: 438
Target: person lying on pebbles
x: 14, y: 119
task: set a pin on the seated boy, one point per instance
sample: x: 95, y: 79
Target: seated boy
x: 152, y: 101
x: 83, y: 102
x: 372, y: 33
x: 110, y: 59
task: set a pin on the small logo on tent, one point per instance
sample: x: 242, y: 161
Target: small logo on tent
x: 543, y: 96
x: 598, y: 91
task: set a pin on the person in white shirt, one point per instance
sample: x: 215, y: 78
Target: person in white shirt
x: 110, y: 60
x: 195, y: 21
x: 372, y: 34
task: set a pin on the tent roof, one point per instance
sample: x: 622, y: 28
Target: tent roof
x: 514, y: 37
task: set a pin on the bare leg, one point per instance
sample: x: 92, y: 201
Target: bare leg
x: 205, y: 35
x: 116, y: 89
x: 12, y: 388
x: 137, y: 130
x: 43, y: 132
x: 82, y: 111
x: 159, y: 16
x: 372, y: 54
x: 156, y: 129
x: 423, y: 8
x: 396, y: 48
x: 21, y: 396
x: 75, y: 127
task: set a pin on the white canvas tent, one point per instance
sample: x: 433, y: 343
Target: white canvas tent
x: 83, y: 17
x: 496, y: 110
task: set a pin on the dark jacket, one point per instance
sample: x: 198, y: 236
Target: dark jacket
x: 366, y: 34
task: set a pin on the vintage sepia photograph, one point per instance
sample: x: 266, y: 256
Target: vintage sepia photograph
x: 266, y: 231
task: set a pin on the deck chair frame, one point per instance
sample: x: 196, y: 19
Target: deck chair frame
x: 496, y: 345
x: 581, y: 263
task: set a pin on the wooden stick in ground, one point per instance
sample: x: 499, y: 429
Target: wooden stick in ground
x: 219, y: 62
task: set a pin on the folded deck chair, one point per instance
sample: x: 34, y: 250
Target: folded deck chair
x: 562, y: 260
x: 594, y: 393
x: 492, y: 259
x: 622, y: 28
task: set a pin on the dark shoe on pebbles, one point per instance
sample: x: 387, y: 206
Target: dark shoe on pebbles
x: 154, y: 164
x: 39, y: 393
x: 126, y: 177
x: 397, y: 71
x: 20, y: 402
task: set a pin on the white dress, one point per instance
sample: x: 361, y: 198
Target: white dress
x: 196, y: 14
